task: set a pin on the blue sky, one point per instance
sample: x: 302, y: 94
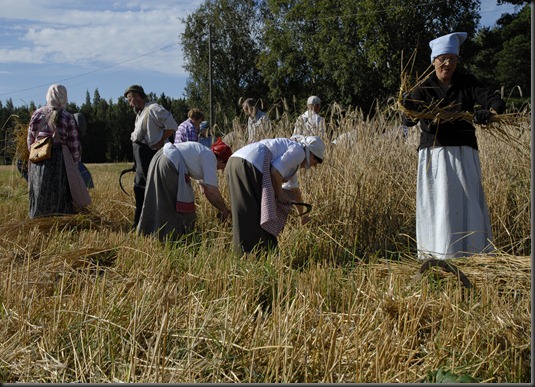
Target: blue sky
x: 102, y: 44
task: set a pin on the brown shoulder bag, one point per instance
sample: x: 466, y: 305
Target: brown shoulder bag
x: 42, y: 149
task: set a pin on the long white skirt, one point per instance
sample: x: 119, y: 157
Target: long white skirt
x: 452, y: 219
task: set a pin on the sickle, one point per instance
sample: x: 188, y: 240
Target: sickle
x: 306, y: 205
x: 449, y: 267
x: 131, y: 169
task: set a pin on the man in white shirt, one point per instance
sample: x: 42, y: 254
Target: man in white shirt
x: 153, y: 126
x: 310, y: 123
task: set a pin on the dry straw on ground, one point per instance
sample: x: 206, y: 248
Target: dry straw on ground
x: 83, y: 299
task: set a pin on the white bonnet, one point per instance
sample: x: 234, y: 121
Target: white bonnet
x: 447, y: 44
x: 312, y: 144
x: 315, y: 145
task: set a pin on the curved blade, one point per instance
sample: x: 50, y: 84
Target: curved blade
x: 449, y: 267
x: 306, y: 205
x: 131, y: 169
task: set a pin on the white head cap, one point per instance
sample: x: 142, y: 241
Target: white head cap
x: 312, y: 144
x: 313, y: 100
x: 447, y: 44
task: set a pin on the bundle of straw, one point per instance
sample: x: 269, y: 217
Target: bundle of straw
x: 21, y: 144
x: 505, y: 272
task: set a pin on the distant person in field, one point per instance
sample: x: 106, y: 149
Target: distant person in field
x: 169, y: 206
x: 310, y: 123
x: 258, y: 123
x: 204, y: 137
x: 152, y: 128
x: 55, y: 186
x: 255, y: 174
x: 452, y: 218
x: 189, y: 129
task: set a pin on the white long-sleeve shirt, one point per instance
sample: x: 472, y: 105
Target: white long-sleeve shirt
x: 151, y: 123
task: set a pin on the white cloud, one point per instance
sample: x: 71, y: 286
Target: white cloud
x: 94, y: 34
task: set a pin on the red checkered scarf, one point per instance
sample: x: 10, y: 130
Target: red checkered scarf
x: 273, y: 215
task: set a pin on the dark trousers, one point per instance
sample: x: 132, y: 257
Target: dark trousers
x: 245, y: 188
x: 142, y: 157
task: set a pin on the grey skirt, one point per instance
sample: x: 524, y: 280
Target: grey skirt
x: 48, y: 187
x: 159, y: 215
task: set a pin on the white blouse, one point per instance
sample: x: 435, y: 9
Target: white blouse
x: 200, y: 161
x: 287, y: 155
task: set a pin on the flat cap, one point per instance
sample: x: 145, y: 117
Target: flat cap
x: 135, y: 89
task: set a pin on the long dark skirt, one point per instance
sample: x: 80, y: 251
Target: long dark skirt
x: 48, y: 187
x: 245, y: 185
x: 159, y: 215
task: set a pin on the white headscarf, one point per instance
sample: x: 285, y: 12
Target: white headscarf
x: 56, y: 96
x: 312, y: 144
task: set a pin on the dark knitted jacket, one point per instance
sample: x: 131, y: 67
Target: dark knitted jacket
x: 466, y: 94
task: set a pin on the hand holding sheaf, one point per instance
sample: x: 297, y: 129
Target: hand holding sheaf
x: 409, y: 103
x: 482, y: 117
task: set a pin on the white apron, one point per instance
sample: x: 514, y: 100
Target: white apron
x: 452, y: 219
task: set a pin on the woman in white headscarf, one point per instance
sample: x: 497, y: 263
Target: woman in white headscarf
x: 259, y: 203
x: 53, y: 186
x: 452, y: 219
x: 169, y: 204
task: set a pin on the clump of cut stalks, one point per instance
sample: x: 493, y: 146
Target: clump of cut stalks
x: 21, y: 144
x: 507, y: 127
x: 46, y: 224
x: 506, y: 272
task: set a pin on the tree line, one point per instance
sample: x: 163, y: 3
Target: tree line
x: 346, y: 51
x: 107, y: 135
x: 281, y: 51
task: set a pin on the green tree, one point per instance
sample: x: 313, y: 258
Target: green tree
x: 503, y: 48
x: 516, y: 52
x: 120, y: 120
x: 484, y: 60
x: 350, y: 51
x: 232, y: 27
